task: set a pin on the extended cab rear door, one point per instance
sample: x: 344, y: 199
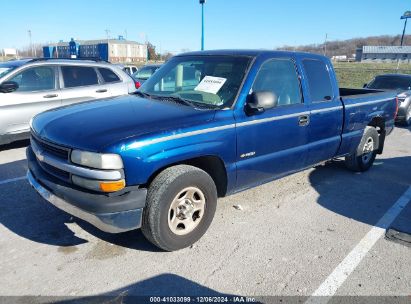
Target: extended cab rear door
x: 326, y: 109
x: 274, y: 142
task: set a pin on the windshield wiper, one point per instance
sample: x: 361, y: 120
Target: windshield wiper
x: 175, y: 99
x: 141, y: 94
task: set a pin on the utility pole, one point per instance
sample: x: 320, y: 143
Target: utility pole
x: 202, y: 24
x: 325, y: 44
x: 107, y: 34
x: 31, y: 44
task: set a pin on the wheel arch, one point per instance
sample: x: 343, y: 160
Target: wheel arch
x: 213, y: 165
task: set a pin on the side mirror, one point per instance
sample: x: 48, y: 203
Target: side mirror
x: 258, y: 102
x: 365, y: 85
x: 8, y: 86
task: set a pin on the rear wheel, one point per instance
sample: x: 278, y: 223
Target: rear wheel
x: 181, y: 203
x: 363, y: 158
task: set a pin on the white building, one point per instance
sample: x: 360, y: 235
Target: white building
x: 383, y: 53
x: 9, y: 52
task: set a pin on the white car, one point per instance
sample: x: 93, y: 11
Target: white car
x: 130, y: 69
x: 31, y: 86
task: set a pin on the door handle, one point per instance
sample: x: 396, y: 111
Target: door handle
x: 101, y: 91
x: 50, y: 96
x: 303, y: 120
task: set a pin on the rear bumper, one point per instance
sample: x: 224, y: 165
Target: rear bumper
x: 113, y: 214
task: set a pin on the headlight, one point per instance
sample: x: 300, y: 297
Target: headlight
x: 97, y: 160
x: 96, y: 185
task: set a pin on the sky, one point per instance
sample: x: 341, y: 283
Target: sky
x: 175, y: 25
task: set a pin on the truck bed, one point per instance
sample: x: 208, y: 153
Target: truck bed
x: 352, y: 92
x: 360, y: 107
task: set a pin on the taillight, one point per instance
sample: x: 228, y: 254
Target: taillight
x: 137, y: 84
x: 396, y: 106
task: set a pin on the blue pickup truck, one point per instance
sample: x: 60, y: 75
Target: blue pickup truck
x: 228, y: 121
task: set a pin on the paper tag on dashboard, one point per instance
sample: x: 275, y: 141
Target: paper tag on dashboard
x: 210, y: 84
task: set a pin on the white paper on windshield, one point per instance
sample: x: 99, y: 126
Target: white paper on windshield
x: 210, y: 84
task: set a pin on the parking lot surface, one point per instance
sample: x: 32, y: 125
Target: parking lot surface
x: 287, y: 238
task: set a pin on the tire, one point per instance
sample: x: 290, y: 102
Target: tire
x: 171, y: 220
x: 361, y: 161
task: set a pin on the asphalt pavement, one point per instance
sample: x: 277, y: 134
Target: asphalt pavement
x: 317, y: 232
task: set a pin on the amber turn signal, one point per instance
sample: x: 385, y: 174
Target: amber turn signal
x: 112, y: 186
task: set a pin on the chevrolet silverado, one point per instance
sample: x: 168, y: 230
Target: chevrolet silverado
x: 205, y: 125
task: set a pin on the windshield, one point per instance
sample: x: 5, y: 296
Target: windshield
x: 390, y: 83
x: 5, y: 70
x: 211, y: 81
x: 145, y: 72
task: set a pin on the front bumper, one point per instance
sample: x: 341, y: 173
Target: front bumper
x: 113, y: 214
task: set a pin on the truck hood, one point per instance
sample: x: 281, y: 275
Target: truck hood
x: 91, y: 126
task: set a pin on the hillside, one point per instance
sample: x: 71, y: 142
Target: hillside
x: 348, y: 47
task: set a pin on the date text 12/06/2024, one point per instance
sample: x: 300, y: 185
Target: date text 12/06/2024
x: 200, y: 299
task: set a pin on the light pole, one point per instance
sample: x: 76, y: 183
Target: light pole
x: 406, y: 15
x: 202, y: 24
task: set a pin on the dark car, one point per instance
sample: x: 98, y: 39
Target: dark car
x: 400, y: 83
x: 144, y: 73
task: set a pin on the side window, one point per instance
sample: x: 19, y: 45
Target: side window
x: 108, y: 75
x: 319, y: 81
x: 280, y: 77
x: 78, y: 76
x: 35, y: 79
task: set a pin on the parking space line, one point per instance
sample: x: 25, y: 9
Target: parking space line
x: 329, y: 287
x: 11, y: 180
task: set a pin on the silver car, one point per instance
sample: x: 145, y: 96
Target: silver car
x: 400, y: 83
x: 31, y: 86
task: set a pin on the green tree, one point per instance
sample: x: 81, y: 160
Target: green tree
x: 151, y: 51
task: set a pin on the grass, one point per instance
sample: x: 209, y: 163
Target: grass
x: 355, y: 74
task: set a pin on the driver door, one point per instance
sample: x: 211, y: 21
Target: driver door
x: 273, y: 143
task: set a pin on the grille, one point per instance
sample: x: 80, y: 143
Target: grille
x: 55, y: 171
x: 55, y: 150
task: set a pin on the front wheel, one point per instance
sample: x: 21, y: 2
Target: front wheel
x: 181, y: 203
x: 363, y: 158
